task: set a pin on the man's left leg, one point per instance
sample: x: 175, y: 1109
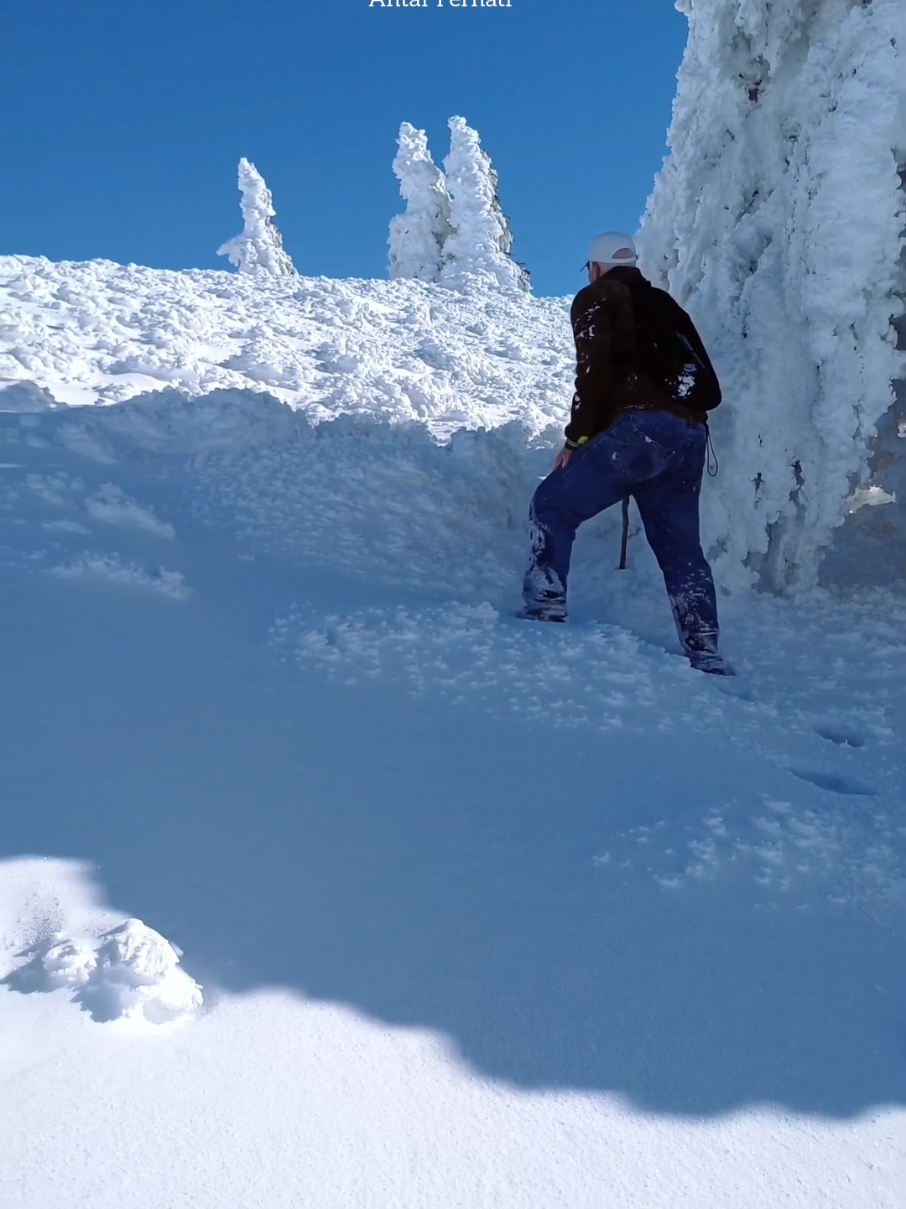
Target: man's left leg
x: 562, y: 502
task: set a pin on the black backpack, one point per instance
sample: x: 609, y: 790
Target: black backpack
x: 665, y: 353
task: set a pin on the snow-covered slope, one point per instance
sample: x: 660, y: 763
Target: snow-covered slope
x: 483, y: 913
x: 398, y: 352
x: 401, y: 350
x: 473, y: 912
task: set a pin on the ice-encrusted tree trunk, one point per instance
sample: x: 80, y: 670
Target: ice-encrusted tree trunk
x: 870, y: 547
x: 479, y: 243
x: 778, y: 220
x: 259, y: 249
x: 417, y: 237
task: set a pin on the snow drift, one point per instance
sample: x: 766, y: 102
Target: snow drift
x: 778, y: 219
x: 399, y: 352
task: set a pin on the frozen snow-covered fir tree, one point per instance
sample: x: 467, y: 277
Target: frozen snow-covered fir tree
x: 417, y: 237
x: 480, y: 240
x: 259, y: 249
x: 779, y: 219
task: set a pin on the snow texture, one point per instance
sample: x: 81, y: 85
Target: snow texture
x: 125, y: 572
x: 479, y: 244
x: 406, y: 352
x: 259, y: 249
x: 489, y: 913
x: 111, y: 505
x: 779, y: 219
x: 486, y: 911
x: 417, y: 237
x: 129, y: 973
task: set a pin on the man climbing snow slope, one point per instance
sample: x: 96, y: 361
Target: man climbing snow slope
x: 638, y: 427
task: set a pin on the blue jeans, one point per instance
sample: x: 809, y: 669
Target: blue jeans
x: 658, y: 459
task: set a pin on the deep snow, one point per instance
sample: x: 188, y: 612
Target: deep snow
x: 484, y: 914
x: 401, y: 351
x: 473, y: 912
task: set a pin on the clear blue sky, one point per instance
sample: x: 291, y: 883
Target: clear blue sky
x: 124, y: 122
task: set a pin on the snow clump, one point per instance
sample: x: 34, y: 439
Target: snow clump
x: 111, y: 505
x: 113, y: 568
x: 129, y: 973
x: 417, y: 237
x: 259, y: 249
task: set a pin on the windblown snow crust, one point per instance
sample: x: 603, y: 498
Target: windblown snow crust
x: 400, y: 350
x: 778, y: 219
x: 403, y: 353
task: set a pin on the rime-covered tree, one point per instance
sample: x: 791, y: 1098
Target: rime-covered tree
x: 778, y: 219
x: 259, y: 249
x: 480, y: 240
x: 417, y: 237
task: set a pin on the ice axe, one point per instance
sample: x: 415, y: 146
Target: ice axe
x: 624, y: 540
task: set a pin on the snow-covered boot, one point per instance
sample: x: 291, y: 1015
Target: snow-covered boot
x: 544, y: 611
x: 703, y: 654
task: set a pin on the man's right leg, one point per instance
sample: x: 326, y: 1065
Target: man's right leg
x: 669, y: 507
x: 562, y: 502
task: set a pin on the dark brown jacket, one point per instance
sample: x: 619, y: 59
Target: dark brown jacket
x: 611, y: 375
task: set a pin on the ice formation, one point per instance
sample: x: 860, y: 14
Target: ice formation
x: 480, y: 242
x: 259, y: 249
x: 779, y: 219
x: 417, y: 237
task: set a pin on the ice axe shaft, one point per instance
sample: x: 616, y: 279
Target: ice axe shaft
x: 624, y: 540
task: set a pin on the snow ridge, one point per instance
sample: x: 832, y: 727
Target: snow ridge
x: 204, y: 355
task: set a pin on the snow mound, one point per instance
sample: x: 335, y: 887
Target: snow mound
x: 129, y: 973
x: 67, y: 963
x: 203, y: 357
x: 99, y: 332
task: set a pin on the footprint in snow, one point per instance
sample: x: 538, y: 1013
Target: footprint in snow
x: 840, y: 733
x: 834, y: 782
